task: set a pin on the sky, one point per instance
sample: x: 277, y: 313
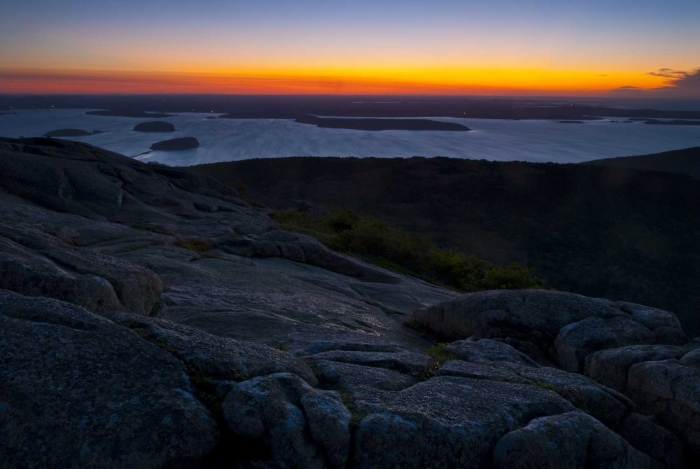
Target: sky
x: 631, y: 48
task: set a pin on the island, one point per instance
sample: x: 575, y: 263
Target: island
x: 381, y: 124
x: 126, y: 113
x: 71, y: 133
x: 156, y: 126
x: 671, y: 122
x: 570, y: 122
x: 176, y: 144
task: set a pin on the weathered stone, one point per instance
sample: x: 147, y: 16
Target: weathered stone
x: 574, y: 324
x: 35, y: 263
x: 606, y: 405
x: 404, y: 361
x: 664, y: 324
x: 657, y: 442
x: 349, y: 378
x: 692, y: 358
x: 272, y: 409
x: 569, y: 441
x: 670, y: 392
x: 610, y: 367
x: 78, y: 391
x: 445, y: 422
x: 504, y: 313
x: 578, y: 340
x: 475, y: 349
x: 212, y: 357
x: 329, y: 424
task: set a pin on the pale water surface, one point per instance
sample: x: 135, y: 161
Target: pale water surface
x: 234, y: 139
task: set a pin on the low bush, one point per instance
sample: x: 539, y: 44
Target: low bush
x: 394, y: 248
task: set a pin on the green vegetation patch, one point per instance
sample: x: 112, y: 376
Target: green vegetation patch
x: 381, y: 243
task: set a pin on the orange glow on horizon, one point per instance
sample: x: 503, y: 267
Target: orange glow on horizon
x: 449, y: 81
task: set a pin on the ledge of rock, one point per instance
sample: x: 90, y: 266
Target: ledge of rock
x: 557, y: 326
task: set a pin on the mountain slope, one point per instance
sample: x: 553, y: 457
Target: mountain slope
x: 602, y: 231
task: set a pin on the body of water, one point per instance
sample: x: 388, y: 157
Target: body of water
x: 235, y: 139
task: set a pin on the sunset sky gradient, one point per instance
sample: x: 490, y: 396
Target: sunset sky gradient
x: 500, y: 47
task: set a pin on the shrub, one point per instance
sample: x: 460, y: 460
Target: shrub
x: 394, y: 248
x: 240, y: 187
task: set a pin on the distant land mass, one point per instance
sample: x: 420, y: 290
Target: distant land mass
x: 157, y: 126
x: 381, y: 124
x: 595, y: 229
x: 291, y: 107
x: 71, y: 133
x: 679, y: 161
x: 127, y: 113
x: 176, y: 144
x: 571, y: 122
x: 673, y: 122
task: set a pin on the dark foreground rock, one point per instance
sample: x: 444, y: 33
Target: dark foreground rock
x: 151, y: 318
x: 176, y: 144
x: 79, y: 391
x: 561, y: 327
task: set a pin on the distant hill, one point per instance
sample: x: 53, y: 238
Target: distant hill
x: 680, y: 161
x: 603, y: 231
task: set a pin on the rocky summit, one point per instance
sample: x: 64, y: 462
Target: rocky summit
x: 150, y: 317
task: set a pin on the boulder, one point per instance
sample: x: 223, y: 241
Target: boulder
x: 511, y: 313
x: 669, y: 391
x: 302, y: 426
x: 445, y: 421
x: 606, y: 405
x: 578, y: 340
x: 79, y: 391
x: 477, y: 350
x: 564, y: 326
x: 610, y: 367
x: 572, y: 440
x: 657, y: 442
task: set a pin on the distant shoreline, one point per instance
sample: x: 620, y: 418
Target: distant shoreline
x: 292, y: 107
x: 382, y: 124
